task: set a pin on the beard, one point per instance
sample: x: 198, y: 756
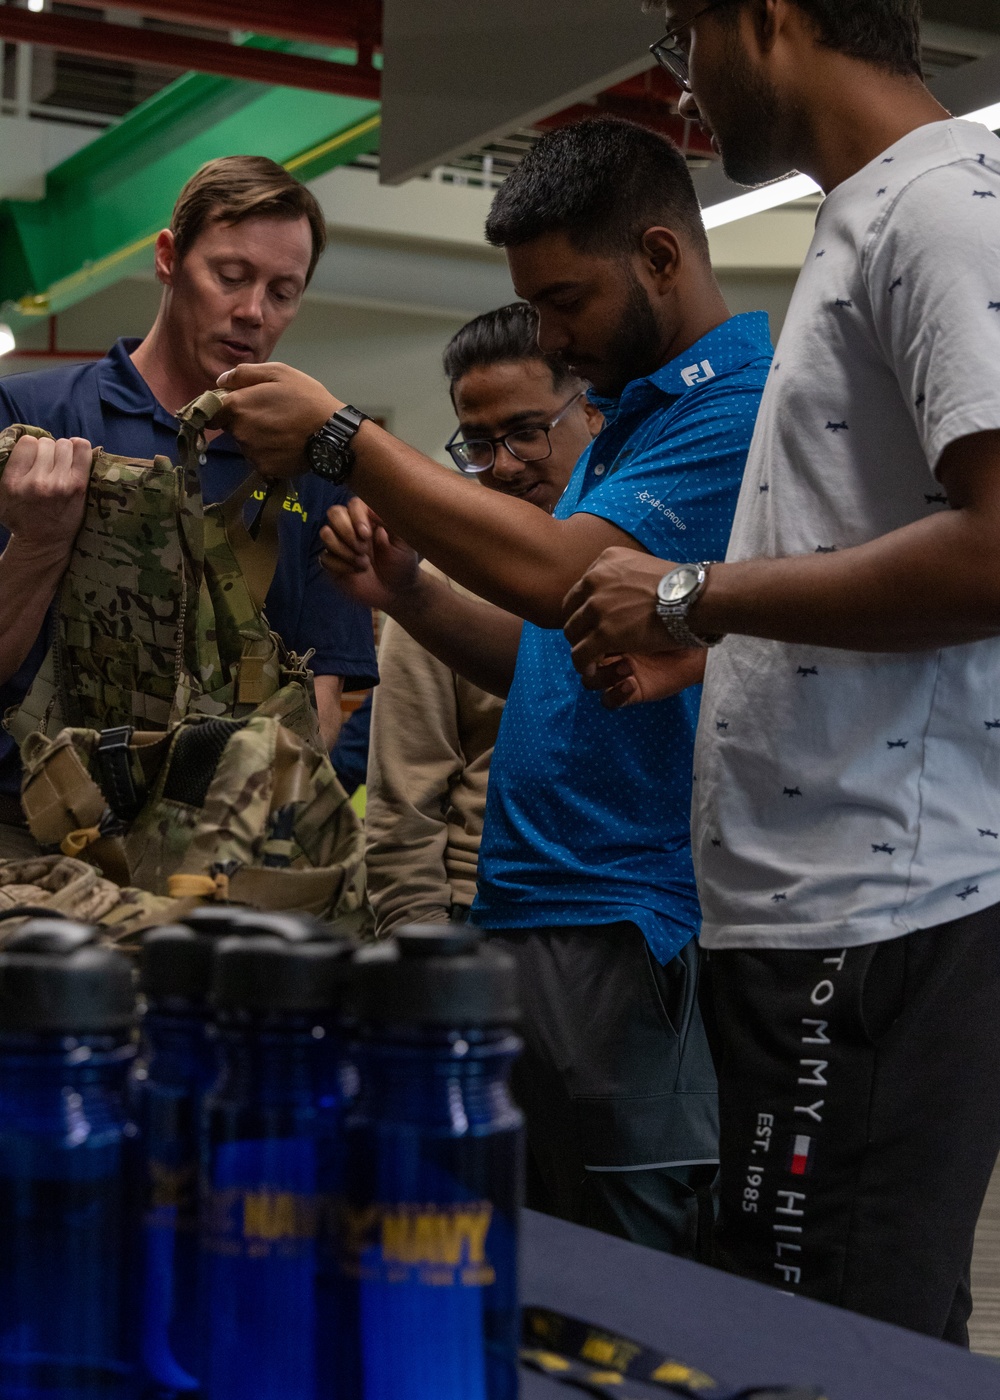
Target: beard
x: 753, y: 131
x: 634, y: 347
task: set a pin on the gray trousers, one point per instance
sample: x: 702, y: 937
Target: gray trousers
x: 616, y: 1083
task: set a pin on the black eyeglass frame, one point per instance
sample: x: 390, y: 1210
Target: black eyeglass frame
x: 466, y: 468
x: 673, y: 58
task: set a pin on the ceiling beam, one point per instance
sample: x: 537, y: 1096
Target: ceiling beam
x: 314, y: 21
x: 84, y: 36
x: 458, y: 75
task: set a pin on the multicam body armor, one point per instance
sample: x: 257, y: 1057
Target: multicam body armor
x: 160, y: 613
x: 169, y: 739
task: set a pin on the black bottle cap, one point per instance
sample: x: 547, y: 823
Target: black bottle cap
x: 280, y: 963
x: 214, y: 919
x: 175, y: 962
x: 56, y: 976
x: 434, y: 975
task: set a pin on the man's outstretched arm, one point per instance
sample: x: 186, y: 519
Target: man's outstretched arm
x: 932, y: 584
x: 43, y: 491
x: 505, y: 550
x: 381, y: 571
x: 476, y: 639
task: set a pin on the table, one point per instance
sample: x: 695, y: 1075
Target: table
x: 742, y: 1332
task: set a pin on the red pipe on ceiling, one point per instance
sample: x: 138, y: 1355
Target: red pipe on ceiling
x: 84, y: 36
x: 316, y: 21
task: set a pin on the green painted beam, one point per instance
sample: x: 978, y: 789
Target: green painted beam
x: 105, y: 205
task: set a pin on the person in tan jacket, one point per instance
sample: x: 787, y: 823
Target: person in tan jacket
x: 432, y: 739
x: 432, y: 731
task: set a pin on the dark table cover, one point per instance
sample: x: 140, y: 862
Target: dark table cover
x: 742, y: 1333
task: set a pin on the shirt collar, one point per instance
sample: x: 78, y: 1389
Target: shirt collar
x: 730, y: 346
x: 120, y: 385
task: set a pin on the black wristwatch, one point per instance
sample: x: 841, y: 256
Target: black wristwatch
x: 329, y: 452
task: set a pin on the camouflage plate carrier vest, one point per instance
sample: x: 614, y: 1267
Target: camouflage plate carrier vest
x: 169, y: 738
x: 160, y: 613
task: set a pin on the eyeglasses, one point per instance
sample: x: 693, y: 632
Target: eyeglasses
x: 670, y: 53
x: 526, y: 444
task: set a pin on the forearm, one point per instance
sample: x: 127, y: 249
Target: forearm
x: 476, y: 639
x: 29, y: 577
x: 505, y: 550
x: 932, y: 584
x: 328, y: 691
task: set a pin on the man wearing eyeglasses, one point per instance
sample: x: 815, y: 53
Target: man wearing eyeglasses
x: 585, y: 871
x: 524, y: 420
x: 846, y: 819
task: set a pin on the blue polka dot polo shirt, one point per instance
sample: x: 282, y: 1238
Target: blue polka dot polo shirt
x: 588, y: 811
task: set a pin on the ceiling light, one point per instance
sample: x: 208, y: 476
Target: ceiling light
x: 989, y: 116
x: 798, y: 186
x: 36, y: 6
x: 760, y: 200
x: 7, y: 341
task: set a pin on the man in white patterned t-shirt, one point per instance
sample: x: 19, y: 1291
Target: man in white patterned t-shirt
x: 846, y: 814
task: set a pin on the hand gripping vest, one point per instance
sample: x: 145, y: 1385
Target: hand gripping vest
x: 160, y: 612
x: 169, y: 739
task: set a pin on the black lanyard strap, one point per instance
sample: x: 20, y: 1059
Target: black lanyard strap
x: 600, y: 1362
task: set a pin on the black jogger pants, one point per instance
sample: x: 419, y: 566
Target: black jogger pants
x: 859, y: 1096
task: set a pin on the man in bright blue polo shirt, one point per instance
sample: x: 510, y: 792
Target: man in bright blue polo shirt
x: 243, y: 243
x: 585, y: 864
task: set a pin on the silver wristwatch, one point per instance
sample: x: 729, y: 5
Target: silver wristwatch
x: 676, y: 594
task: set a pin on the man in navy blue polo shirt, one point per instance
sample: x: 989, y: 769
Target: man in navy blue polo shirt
x: 585, y: 865
x: 243, y: 243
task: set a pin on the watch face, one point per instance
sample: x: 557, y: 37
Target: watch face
x: 678, y: 585
x: 324, y: 455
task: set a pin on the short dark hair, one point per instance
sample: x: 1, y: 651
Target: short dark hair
x: 233, y: 188
x: 603, y: 182
x: 885, y: 33
x: 500, y: 337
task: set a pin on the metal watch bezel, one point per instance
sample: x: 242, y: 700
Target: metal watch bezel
x: 673, y: 613
x: 678, y: 606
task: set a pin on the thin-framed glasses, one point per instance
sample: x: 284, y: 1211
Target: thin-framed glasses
x: 477, y: 455
x: 671, y: 54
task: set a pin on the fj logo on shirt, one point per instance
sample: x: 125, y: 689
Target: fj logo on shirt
x: 698, y: 374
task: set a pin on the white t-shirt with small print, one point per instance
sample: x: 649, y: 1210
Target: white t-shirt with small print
x: 843, y: 798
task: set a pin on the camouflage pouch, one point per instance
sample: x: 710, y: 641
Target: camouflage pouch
x: 160, y: 612
x: 242, y: 810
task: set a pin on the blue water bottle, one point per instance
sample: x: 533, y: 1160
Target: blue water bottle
x: 433, y: 1172
x: 67, y: 1009
x: 175, y: 1066
x: 275, y: 991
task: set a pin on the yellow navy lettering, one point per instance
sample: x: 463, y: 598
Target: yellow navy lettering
x: 440, y: 1246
